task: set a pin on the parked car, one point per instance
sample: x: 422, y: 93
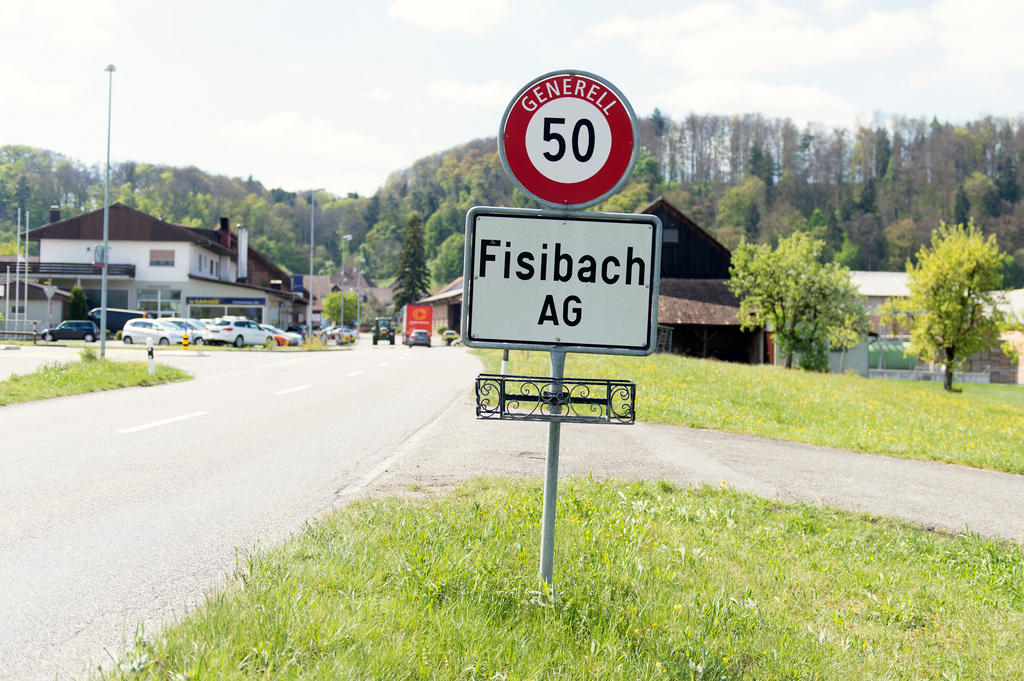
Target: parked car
x: 195, y: 328
x: 283, y: 337
x: 449, y: 336
x: 162, y: 332
x: 418, y: 337
x: 342, y: 335
x: 72, y: 329
x: 116, y: 317
x: 238, y: 332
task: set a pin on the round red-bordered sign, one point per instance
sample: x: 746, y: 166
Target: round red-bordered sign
x: 568, y: 139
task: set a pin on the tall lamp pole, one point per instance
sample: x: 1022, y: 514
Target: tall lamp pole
x: 312, y: 224
x: 358, y: 315
x: 106, y: 223
x: 345, y: 238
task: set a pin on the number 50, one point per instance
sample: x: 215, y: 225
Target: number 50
x: 552, y: 136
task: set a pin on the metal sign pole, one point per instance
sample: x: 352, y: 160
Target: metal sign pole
x: 547, y: 533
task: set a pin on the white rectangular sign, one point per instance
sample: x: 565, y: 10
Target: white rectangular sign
x: 586, y: 282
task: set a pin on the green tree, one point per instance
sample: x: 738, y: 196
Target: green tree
x: 332, y: 307
x: 78, y: 307
x: 340, y: 308
x: 743, y: 205
x: 808, y: 306
x: 961, y: 206
x: 450, y: 259
x: 951, y: 309
x: 413, y: 278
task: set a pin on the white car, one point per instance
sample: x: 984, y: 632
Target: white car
x: 138, y: 330
x: 237, y: 332
x: 194, y: 327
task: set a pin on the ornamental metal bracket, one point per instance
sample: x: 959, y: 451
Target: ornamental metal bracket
x: 566, y: 400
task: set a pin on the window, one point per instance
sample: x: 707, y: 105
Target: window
x: 160, y: 302
x: 161, y: 258
x: 670, y: 236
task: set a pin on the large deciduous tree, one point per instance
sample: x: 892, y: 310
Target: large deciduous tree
x: 413, y: 278
x: 808, y: 306
x: 952, y: 307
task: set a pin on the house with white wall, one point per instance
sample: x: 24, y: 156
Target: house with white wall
x: 165, y: 269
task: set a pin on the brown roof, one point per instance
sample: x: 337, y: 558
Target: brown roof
x: 35, y: 292
x: 346, y: 279
x: 126, y: 224
x: 697, y: 301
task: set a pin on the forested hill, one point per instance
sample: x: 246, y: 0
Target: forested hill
x: 873, y: 194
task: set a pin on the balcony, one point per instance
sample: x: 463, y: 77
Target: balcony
x: 72, y: 269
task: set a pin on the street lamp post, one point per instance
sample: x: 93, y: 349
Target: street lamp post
x: 106, y: 223
x: 358, y: 315
x: 344, y: 242
x: 312, y: 242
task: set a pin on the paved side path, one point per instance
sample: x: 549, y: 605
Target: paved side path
x: 457, y: 447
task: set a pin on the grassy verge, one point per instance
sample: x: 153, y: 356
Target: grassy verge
x: 652, y: 583
x: 979, y: 427
x: 58, y: 379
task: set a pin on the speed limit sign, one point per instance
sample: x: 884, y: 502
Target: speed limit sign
x: 568, y: 139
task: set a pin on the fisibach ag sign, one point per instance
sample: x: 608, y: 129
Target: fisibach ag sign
x: 585, y: 282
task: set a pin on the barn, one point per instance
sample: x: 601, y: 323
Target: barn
x: 695, y: 306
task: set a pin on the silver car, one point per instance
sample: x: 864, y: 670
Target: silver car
x: 162, y: 333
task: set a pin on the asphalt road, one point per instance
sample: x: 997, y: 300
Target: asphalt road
x: 123, y: 508
x: 126, y: 507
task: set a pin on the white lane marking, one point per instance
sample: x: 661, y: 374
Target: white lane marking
x: 230, y: 373
x: 163, y: 422
x: 292, y: 390
x: 354, y: 373
x: 384, y: 364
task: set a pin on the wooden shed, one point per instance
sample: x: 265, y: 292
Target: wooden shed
x: 695, y: 301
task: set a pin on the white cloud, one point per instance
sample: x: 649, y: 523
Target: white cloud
x: 465, y: 96
x: 723, y: 39
x: 380, y: 94
x: 473, y: 17
x: 81, y: 35
x: 980, y: 40
x: 326, y: 152
x: 19, y: 92
x: 315, y: 136
x: 72, y: 23
x: 802, y: 104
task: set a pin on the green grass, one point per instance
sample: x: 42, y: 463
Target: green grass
x: 58, y: 379
x: 983, y: 426
x: 652, y: 582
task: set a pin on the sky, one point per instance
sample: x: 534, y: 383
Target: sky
x: 336, y: 94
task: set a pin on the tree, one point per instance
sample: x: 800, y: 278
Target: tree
x: 413, y: 278
x: 951, y: 309
x: 340, y: 308
x: 450, y: 257
x: 332, y: 306
x: 808, y: 306
x: 78, y: 307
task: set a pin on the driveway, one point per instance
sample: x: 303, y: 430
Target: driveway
x: 950, y: 498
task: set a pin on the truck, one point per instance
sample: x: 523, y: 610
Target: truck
x: 383, y: 330
x: 416, y: 318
